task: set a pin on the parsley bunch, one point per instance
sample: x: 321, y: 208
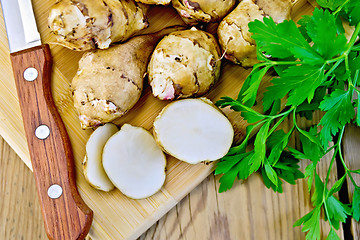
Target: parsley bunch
x: 318, y: 69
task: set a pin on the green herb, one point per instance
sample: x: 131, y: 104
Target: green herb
x: 318, y: 69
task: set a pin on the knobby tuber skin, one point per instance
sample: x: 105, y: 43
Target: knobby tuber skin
x: 233, y: 31
x: 83, y: 25
x: 195, y: 11
x: 184, y: 64
x: 93, y: 169
x: 134, y: 162
x: 193, y: 130
x: 157, y: 2
x: 109, y: 82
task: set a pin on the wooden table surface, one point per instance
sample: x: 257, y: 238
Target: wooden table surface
x: 248, y: 211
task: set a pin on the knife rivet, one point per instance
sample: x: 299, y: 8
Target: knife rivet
x: 30, y: 74
x: 54, y: 191
x: 42, y: 132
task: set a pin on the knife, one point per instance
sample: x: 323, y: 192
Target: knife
x: 65, y: 214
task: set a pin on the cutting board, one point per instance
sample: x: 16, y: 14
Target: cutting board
x: 116, y: 216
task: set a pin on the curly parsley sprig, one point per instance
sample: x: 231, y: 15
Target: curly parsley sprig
x: 318, y: 69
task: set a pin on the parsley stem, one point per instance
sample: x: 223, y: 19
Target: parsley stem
x: 333, y: 67
x: 331, y: 148
x: 284, y: 113
x: 339, y: 147
x: 347, y: 67
x: 357, y: 90
x: 341, y: 57
x: 355, y: 48
x: 285, y: 62
x: 248, y: 134
x: 352, y: 179
x: 340, y: 7
x: 276, y: 125
x: 351, y: 47
x: 356, y: 76
x: 327, y: 214
x: 330, y: 166
x: 294, y: 118
x: 249, y: 109
x: 353, y: 38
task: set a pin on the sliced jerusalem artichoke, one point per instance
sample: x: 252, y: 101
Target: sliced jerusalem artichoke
x: 195, y: 11
x: 233, y: 31
x: 193, y: 130
x: 184, y: 64
x: 134, y: 162
x: 82, y: 25
x: 109, y: 82
x: 93, y: 168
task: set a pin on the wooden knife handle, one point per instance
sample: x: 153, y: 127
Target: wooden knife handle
x: 65, y: 214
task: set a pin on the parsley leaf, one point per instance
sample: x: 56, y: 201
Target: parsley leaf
x: 331, y: 4
x: 312, y: 151
x: 276, y: 144
x: 337, y: 185
x: 259, y: 148
x: 232, y: 167
x: 311, y: 223
x: 337, y: 211
x: 317, y: 197
x: 354, y: 67
x: 332, y: 235
x: 269, y: 184
x: 287, y: 169
x: 356, y: 203
x: 323, y: 34
x: 228, y: 163
x: 248, y: 92
x: 248, y: 113
x: 352, y: 12
x: 282, y: 40
x: 307, y: 109
x: 310, y: 170
x: 300, y: 81
x: 271, y: 174
x: 340, y: 111
x: 227, y: 180
x: 303, y: 22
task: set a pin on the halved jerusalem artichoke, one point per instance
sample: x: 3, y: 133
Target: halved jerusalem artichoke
x: 109, y: 82
x: 93, y: 168
x: 134, y: 162
x: 233, y: 31
x: 184, y: 64
x: 82, y: 25
x: 193, y: 130
x: 194, y: 11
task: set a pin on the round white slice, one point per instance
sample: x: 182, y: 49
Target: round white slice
x: 134, y: 162
x: 193, y: 130
x: 92, y: 165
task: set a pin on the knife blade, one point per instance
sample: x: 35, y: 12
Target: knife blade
x: 65, y: 214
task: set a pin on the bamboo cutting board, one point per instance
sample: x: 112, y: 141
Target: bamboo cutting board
x: 115, y: 216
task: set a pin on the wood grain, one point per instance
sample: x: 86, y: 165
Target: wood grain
x: 20, y: 213
x: 66, y: 217
x: 351, y: 151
